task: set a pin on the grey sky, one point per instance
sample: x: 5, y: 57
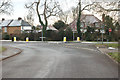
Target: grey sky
x: 20, y: 11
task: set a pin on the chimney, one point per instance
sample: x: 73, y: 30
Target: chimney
x: 19, y: 18
x: 3, y: 19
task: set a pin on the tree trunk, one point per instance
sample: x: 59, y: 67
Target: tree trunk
x: 41, y: 22
x: 78, y: 21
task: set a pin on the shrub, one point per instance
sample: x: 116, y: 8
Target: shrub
x: 59, y: 25
x: 60, y: 35
x: 69, y: 34
x: 6, y: 36
x: 51, y: 35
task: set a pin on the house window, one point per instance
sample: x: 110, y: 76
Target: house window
x: 5, y: 29
x: 97, y: 24
x: 82, y: 24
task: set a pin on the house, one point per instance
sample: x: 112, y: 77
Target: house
x: 14, y: 26
x: 86, y: 20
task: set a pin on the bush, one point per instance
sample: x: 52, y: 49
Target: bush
x: 69, y: 34
x: 6, y: 36
x: 31, y: 36
x: 91, y: 35
x: 59, y: 25
x: 60, y: 35
x: 51, y: 35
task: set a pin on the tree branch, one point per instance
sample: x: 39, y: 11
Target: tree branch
x: 87, y: 6
x: 6, y: 6
x: 45, y: 8
x: 112, y: 10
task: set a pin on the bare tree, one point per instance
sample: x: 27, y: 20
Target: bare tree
x: 98, y: 7
x: 6, y: 7
x: 74, y: 12
x: 44, y: 11
x: 108, y: 8
x: 63, y: 16
x: 30, y: 17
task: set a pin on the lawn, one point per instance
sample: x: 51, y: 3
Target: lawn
x: 114, y: 45
x: 2, y: 49
x: 115, y: 56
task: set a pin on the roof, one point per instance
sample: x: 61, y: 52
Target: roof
x: 89, y: 19
x: 24, y: 23
x: 5, y: 23
x: 14, y: 23
x: 85, y: 18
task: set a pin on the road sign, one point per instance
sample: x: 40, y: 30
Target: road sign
x: 102, y: 31
x: 110, y: 30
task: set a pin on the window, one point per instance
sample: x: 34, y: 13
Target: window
x: 5, y: 29
x: 82, y: 24
x: 97, y: 24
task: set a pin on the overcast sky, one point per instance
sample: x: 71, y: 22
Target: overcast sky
x: 20, y: 11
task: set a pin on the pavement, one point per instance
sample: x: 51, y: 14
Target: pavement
x: 10, y: 52
x: 106, y: 50
x: 56, y: 60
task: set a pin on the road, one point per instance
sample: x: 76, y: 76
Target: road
x: 52, y: 60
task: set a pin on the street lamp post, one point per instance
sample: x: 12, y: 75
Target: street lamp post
x: 102, y: 37
x: 42, y: 35
x: 73, y: 35
x: 110, y: 30
x: 97, y: 34
x: 102, y: 32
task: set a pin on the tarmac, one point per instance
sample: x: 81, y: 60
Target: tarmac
x: 106, y: 51
x: 50, y: 60
x: 10, y: 52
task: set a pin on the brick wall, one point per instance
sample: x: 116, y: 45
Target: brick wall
x: 3, y: 29
x: 13, y: 30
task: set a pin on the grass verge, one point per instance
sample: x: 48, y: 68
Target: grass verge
x: 115, y: 56
x: 2, y: 49
x: 108, y: 45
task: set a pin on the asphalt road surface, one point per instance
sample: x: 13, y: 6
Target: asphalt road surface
x: 53, y: 60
